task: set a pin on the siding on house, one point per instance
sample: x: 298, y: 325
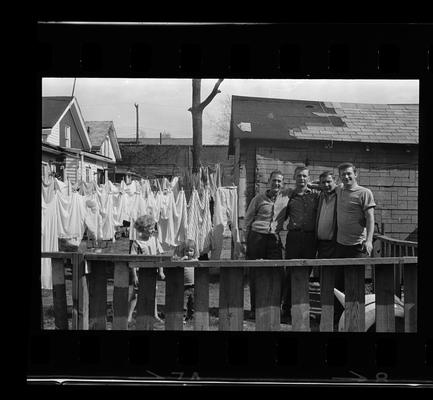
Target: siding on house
x: 107, y: 149
x: 68, y: 120
x: 72, y: 169
x: 387, y: 170
x: 54, y: 136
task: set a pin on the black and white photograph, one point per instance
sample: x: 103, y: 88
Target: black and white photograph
x: 229, y: 204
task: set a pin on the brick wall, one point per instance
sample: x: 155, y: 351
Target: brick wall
x: 171, y: 160
x: 387, y: 170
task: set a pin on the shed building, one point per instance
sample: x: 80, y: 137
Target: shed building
x: 380, y: 139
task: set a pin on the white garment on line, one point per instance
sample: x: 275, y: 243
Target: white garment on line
x: 199, y: 221
x: 225, y: 213
x: 166, y: 233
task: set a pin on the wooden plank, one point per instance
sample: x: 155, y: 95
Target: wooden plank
x: 83, y: 305
x: 201, y: 299
x: 300, y: 299
x: 410, y: 297
x: 98, y: 296
x: 231, y: 299
x: 268, y: 293
x: 174, y: 290
x: 56, y: 254
x: 120, y: 296
x: 146, y: 299
x: 77, y: 266
x: 327, y: 299
x: 385, y: 315
x: 354, y: 313
x: 360, y: 262
x: 125, y: 257
x: 59, y: 294
x: 80, y: 294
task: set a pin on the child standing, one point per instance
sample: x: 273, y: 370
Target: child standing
x: 147, y: 244
x: 187, y: 251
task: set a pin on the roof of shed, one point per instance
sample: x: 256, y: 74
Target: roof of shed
x: 52, y: 108
x: 281, y: 119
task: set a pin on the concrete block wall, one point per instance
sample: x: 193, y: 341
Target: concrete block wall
x: 172, y: 160
x: 388, y: 170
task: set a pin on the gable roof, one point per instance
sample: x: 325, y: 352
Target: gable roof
x: 53, y: 108
x: 98, y: 131
x: 282, y: 119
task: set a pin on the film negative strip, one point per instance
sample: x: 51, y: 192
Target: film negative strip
x: 236, y: 51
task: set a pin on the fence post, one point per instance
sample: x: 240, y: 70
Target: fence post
x: 268, y: 294
x: 201, y: 299
x: 410, y: 297
x: 385, y: 315
x: 83, y: 295
x: 75, y: 257
x: 354, y: 312
x: 174, y: 292
x: 59, y: 294
x: 300, y: 299
x: 120, y: 296
x: 98, y: 296
x: 327, y: 299
x: 231, y: 299
x: 146, y: 298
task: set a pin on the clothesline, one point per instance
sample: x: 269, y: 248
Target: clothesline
x: 99, y: 209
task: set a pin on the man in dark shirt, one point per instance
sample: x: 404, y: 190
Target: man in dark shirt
x: 301, y: 238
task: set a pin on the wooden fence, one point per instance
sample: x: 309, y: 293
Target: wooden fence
x: 390, y: 247
x: 89, y: 292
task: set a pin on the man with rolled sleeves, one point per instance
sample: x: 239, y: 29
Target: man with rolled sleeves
x: 263, y: 222
x: 301, y: 237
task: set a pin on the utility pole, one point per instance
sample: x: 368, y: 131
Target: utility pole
x: 73, y: 88
x: 136, y: 112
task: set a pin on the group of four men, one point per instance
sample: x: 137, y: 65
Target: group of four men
x: 330, y: 221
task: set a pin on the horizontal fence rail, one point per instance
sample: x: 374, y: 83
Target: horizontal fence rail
x: 91, y: 271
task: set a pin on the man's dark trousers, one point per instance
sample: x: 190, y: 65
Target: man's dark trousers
x: 265, y: 246
x: 299, y: 244
x: 342, y: 251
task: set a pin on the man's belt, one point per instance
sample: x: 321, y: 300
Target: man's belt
x: 299, y: 230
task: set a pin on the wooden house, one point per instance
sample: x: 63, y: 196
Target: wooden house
x: 380, y: 139
x: 73, y: 149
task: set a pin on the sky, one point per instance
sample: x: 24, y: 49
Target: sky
x: 163, y: 103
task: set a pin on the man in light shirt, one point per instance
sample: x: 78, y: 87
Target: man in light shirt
x: 263, y: 222
x: 355, y: 215
x: 326, y: 222
x: 355, y: 219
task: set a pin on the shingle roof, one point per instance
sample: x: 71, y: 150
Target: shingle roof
x: 315, y: 120
x: 52, y: 108
x: 98, y: 131
x: 155, y: 141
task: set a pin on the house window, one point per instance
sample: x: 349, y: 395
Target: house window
x: 67, y: 136
x: 87, y: 174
